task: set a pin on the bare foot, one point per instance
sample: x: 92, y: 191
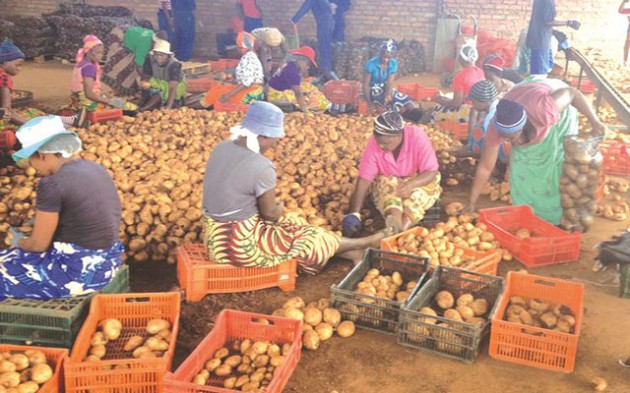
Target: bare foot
x: 356, y: 256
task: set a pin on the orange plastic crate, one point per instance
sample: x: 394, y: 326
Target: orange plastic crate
x: 222, y: 65
x: 601, y: 190
x: 529, y: 345
x: 55, y: 358
x: 236, y: 325
x: 134, y: 310
x: 459, y: 130
x: 549, y: 245
x: 221, y: 107
x: 105, y: 116
x: 485, y: 262
x: 198, y: 276
x: 7, y: 139
x: 616, y: 158
x: 586, y: 86
x: 417, y: 92
x: 199, y: 85
x: 342, y: 92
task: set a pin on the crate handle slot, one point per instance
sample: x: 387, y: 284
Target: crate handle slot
x: 138, y: 300
x: 545, y: 282
x: 259, y: 321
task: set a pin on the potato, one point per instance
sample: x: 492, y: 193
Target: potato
x: 41, y: 373
x: 212, y: 364
x: 111, y: 328
x: 518, y: 300
x: 526, y: 318
x: 539, y: 305
x: 568, y: 319
x: 313, y: 316
x: 453, y: 314
x: 10, y: 379
x: 260, y: 347
x: 397, y: 278
x: 154, y: 326
x: 273, y: 350
x: 200, y: 379
x: 311, y: 339
x: 294, y: 302
x: 91, y: 358
x: 479, y: 307
x: 133, y: 343
x: 140, y: 351
x: 242, y: 380
x: 229, y: 383
x: 27, y: 387
x: 165, y: 335
x: 465, y: 299
x: 223, y: 370
x: 548, y: 320
x: 476, y: 320
x: 98, y: 338
x: 286, y: 348
x: 277, y: 361
x: 250, y: 387
x: 522, y: 233
x: 323, y: 304
x: 156, y: 344
x: 98, y: 350
x: 233, y: 361
x: 35, y: 357
x: 245, y: 345
x: 294, y: 313
x: 261, y: 361
x: 221, y: 353
x: 6, y: 366
x: 332, y: 317
x: 324, y: 330
x: 244, y: 369
x: 465, y: 312
x: 429, y: 311
x: 346, y: 329
x: 445, y: 300
x: 258, y: 375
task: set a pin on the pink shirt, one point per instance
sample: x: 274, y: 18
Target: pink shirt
x: 540, y: 107
x: 416, y: 156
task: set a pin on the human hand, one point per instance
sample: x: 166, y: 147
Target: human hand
x: 469, y: 209
x: 351, y: 225
x: 14, y: 236
x: 574, y: 24
x: 404, y: 190
x: 599, y: 128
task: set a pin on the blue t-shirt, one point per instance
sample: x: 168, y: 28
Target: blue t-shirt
x: 373, y: 67
x: 539, y: 32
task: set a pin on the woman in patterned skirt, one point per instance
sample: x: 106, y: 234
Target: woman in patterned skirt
x: 244, y: 224
x: 400, y: 169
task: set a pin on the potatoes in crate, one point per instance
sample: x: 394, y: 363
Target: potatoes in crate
x: 24, y: 371
x: 462, y: 308
x: 541, y: 314
x: 386, y: 286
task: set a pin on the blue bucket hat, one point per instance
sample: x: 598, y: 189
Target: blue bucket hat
x: 36, y: 132
x: 264, y: 119
x: 510, y: 117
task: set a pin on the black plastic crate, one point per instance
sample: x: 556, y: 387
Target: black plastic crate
x: 624, y: 280
x: 457, y: 340
x: 371, y: 312
x: 433, y: 215
x: 54, y: 322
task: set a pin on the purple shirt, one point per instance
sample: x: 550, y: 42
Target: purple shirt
x: 88, y: 69
x: 286, y: 77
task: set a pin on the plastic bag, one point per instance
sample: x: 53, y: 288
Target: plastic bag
x: 581, y: 177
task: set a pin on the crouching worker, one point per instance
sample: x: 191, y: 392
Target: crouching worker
x: 163, y: 83
x: 74, y: 247
x: 244, y: 224
x: 400, y: 169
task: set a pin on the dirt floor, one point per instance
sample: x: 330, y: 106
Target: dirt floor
x: 371, y: 362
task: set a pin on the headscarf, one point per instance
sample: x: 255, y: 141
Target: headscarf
x: 469, y: 54
x: 510, y: 117
x: 494, y: 61
x: 483, y: 91
x: 388, y: 46
x: 389, y: 123
x: 10, y: 52
x: 273, y: 37
x: 245, y: 41
x: 89, y: 42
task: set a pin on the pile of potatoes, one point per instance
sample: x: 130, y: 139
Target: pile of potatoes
x: 497, y: 191
x: 541, y: 314
x: 391, y: 287
x: 617, y: 209
x: 243, y: 364
x: 136, y: 346
x: 581, y: 173
x: 23, y: 372
x: 320, y: 320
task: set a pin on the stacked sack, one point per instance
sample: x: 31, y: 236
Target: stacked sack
x: 33, y: 35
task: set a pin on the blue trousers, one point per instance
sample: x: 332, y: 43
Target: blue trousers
x: 223, y: 40
x: 339, y: 32
x: 541, y: 62
x: 163, y: 24
x: 184, y: 34
x: 252, y: 23
x: 325, y: 27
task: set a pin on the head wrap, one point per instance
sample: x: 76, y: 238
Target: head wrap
x: 389, y: 123
x: 273, y: 37
x: 10, y: 52
x: 262, y: 119
x: 469, y: 54
x: 245, y: 41
x: 494, y: 61
x: 389, y: 46
x: 89, y: 42
x: 483, y: 91
x: 510, y: 117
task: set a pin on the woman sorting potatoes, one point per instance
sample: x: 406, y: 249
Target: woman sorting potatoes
x: 535, y: 118
x: 244, y: 225
x: 400, y: 169
x: 74, y: 247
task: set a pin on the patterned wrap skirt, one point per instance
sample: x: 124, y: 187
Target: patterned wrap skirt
x: 315, y: 99
x: 458, y: 114
x: 64, y: 270
x: 399, y: 100
x: 383, y: 190
x: 258, y: 243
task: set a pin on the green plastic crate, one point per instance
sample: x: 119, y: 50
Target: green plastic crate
x: 51, y: 323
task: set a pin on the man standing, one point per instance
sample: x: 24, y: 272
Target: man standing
x: 165, y: 18
x: 625, y: 10
x: 184, y: 15
x: 251, y: 13
x: 323, y: 14
x: 539, y: 35
x: 339, y: 33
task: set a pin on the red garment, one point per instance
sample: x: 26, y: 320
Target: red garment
x: 237, y: 24
x: 466, y: 78
x: 5, y: 79
x: 250, y: 9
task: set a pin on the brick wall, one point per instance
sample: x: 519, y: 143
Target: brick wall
x: 601, y: 25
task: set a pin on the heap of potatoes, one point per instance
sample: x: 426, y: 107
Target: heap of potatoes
x: 541, y: 314
x: 617, y: 209
x: 246, y: 365
x: 497, y: 191
x: 24, y: 371
x: 320, y: 320
x: 381, y: 285
x: 150, y: 344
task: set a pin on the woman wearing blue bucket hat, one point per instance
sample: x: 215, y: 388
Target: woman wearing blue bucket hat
x: 244, y: 225
x: 74, y: 247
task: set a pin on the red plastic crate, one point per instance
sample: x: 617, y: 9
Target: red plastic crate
x: 586, y: 86
x: 198, y: 276
x: 222, y: 65
x: 533, y: 346
x: 363, y: 108
x: 55, y: 357
x: 134, y: 310
x: 417, y: 92
x: 342, y: 92
x: 459, y: 130
x: 199, y: 85
x: 601, y: 190
x: 616, y: 158
x: 236, y: 325
x: 221, y: 107
x: 105, y: 116
x: 549, y: 245
x: 7, y: 139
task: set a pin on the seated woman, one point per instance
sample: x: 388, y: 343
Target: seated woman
x: 248, y: 75
x: 163, y: 83
x: 74, y: 247
x: 456, y: 109
x: 493, y: 70
x: 86, y: 81
x: 267, y: 39
x: 379, y: 74
x: 244, y: 224
x: 286, y: 86
x: 400, y: 169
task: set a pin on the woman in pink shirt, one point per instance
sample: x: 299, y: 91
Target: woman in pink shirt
x: 400, y: 169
